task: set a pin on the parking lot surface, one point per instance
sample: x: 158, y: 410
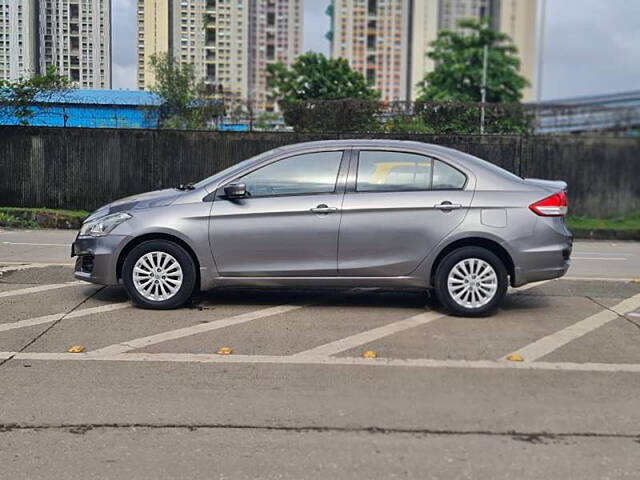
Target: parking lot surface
x: 150, y: 396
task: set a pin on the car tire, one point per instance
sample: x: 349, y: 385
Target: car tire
x: 159, y: 274
x: 471, y: 282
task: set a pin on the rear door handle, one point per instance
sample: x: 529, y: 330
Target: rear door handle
x: 448, y: 206
x: 322, y: 208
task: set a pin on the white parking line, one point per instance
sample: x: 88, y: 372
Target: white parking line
x: 29, y: 264
x: 68, y: 245
x: 17, y: 267
x: 40, y: 288
x: 30, y: 322
x: 599, y: 258
x: 530, y: 285
x: 550, y: 343
x: 598, y: 279
x: 362, y: 338
x: 344, y: 361
x: 194, y: 330
x: 579, y: 252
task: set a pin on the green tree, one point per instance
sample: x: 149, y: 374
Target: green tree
x: 459, y: 66
x: 17, y: 98
x: 316, y: 77
x: 185, y: 103
x: 323, y: 94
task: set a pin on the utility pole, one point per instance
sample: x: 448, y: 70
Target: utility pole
x: 483, y: 89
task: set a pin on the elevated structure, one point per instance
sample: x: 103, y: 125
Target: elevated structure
x: 605, y: 112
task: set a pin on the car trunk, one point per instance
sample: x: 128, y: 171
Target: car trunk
x: 551, y: 185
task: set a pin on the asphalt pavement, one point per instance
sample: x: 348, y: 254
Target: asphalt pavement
x: 149, y: 397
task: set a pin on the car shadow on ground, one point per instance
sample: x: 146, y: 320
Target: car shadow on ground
x: 357, y: 298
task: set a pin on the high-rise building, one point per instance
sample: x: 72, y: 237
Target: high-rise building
x: 387, y: 40
x: 72, y: 35
x: 157, y: 33
x: 373, y: 36
x: 18, y: 30
x: 519, y: 20
x: 275, y: 35
x: 75, y: 36
x: 229, y: 42
x: 210, y: 34
x: 226, y: 47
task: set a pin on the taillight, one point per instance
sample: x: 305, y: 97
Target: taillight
x: 555, y: 205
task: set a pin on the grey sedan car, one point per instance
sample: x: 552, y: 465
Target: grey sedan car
x: 350, y: 213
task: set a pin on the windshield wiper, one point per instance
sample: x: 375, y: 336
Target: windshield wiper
x: 189, y: 186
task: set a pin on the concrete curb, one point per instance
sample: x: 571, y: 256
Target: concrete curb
x: 605, y: 234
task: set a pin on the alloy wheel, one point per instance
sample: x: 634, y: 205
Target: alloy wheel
x: 157, y: 276
x: 472, y: 283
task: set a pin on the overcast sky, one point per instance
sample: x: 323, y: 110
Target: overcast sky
x: 591, y: 46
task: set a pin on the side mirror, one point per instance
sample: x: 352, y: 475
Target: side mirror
x: 235, y: 190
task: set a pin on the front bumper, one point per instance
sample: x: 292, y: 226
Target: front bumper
x: 98, y: 258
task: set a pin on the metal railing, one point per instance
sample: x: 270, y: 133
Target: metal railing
x: 344, y: 116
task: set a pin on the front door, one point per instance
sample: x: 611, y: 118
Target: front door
x: 287, y: 224
x: 397, y: 207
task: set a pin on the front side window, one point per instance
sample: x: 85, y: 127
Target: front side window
x: 311, y: 173
x: 393, y: 171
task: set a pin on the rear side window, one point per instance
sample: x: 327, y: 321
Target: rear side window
x: 393, y: 171
x: 400, y: 172
x: 446, y: 177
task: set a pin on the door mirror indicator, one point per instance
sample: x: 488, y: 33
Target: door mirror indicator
x: 235, y: 190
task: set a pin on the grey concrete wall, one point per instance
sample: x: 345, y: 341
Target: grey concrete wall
x: 86, y: 168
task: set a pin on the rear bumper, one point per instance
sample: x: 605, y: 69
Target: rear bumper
x: 545, y: 262
x: 98, y: 258
x: 540, y: 274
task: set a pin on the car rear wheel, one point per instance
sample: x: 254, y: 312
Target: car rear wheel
x: 471, y: 282
x: 159, y: 274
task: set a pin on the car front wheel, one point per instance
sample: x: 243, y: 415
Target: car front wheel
x: 471, y: 282
x: 159, y: 274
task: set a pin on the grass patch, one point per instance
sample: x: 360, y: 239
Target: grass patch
x: 8, y: 220
x: 630, y: 221
x: 16, y: 217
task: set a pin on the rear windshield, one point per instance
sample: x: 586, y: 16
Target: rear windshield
x: 492, y: 167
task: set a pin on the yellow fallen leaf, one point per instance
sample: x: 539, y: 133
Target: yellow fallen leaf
x: 514, y: 357
x: 76, y: 349
x: 369, y: 354
x: 224, y: 351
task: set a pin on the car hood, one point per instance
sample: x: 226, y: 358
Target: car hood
x: 157, y: 198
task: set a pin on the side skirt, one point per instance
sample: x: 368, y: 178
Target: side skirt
x: 321, y: 282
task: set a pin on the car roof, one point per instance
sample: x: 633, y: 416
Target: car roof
x: 489, y: 170
x: 362, y: 142
x: 379, y: 143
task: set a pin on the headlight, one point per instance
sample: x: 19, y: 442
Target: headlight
x: 103, y: 226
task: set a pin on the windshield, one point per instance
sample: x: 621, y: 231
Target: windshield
x: 232, y: 169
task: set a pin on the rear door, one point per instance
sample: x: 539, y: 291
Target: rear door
x: 287, y: 225
x: 397, y: 207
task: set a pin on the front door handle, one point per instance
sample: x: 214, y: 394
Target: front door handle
x: 322, y: 208
x: 448, y: 206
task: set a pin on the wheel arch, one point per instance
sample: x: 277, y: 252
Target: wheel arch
x: 476, y: 241
x: 134, y: 242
